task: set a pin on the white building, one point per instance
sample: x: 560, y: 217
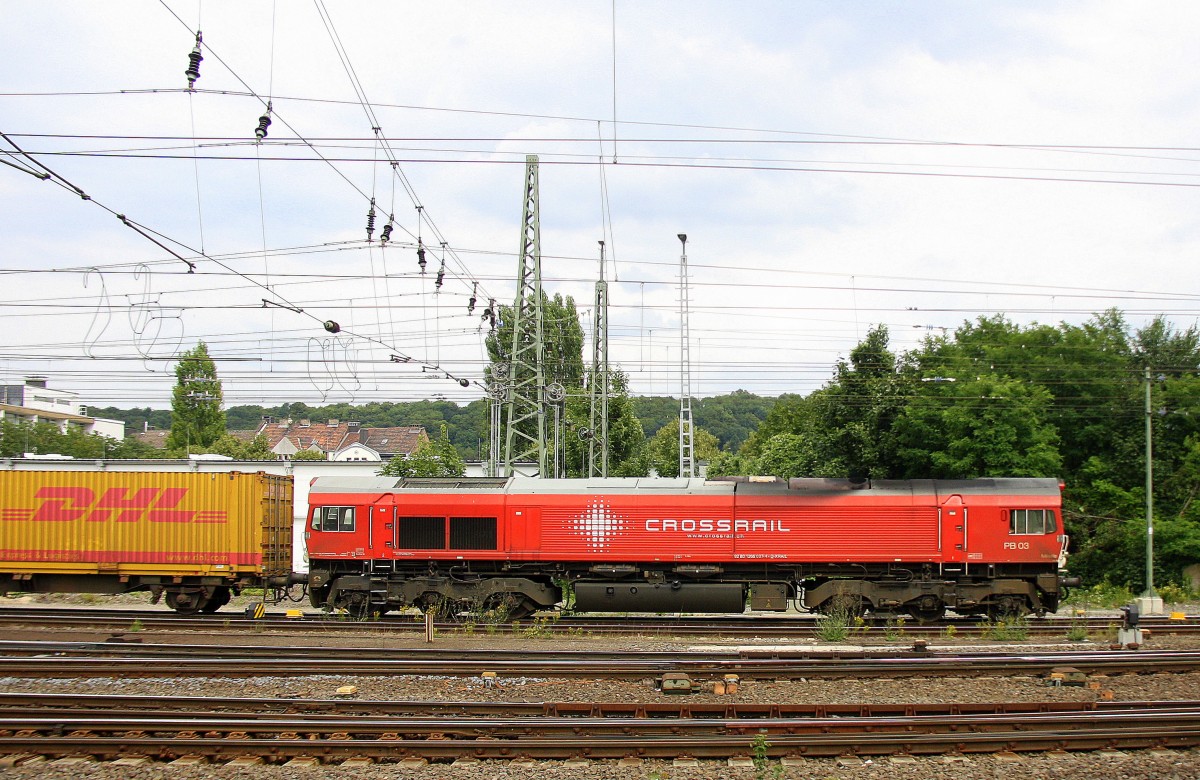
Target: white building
x: 33, y: 401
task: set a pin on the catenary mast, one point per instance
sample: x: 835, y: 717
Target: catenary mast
x: 525, y: 451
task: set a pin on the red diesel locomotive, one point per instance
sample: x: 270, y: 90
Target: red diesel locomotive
x: 984, y: 546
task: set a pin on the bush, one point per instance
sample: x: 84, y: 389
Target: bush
x: 1176, y: 594
x: 1008, y: 629
x: 838, y: 623
x: 1103, y: 595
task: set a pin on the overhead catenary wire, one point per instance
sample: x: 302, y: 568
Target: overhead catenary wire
x: 147, y: 232
x: 568, y: 274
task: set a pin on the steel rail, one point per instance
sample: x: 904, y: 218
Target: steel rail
x: 208, y: 661
x: 756, y: 625
x: 377, y: 744
x: 321, y: 726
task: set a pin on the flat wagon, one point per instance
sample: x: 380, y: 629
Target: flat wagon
x: 193, y: 539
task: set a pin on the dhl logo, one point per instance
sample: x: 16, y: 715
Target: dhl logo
x: 119, y: 505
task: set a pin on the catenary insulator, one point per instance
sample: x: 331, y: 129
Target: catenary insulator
x: 371, y: 220
x: 386, y: 235
x: 489, y: 314
x: 441, y: 275
x: 264, y: 122
x: 421, y: 255
x: 471, y: 302
x: 193, y: 71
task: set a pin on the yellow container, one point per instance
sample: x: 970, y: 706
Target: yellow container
x: 131, y: 524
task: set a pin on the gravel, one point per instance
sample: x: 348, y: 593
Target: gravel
x: 1126, y: 765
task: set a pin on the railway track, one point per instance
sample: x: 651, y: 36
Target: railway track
x: 113, y: 728
x: 86, y: 659
x: 805, y: 626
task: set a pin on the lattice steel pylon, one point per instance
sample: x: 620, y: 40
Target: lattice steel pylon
x: 600, y: 384
x: 687, y: 449
x: 525, y: 447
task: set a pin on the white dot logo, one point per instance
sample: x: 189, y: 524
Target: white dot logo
x: 599, y: 524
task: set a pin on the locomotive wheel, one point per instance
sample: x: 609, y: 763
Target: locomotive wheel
x: 522, y: 610
x: 927, y: 615
x: 1007, y: 608
x: 927, y: 609
x: 443, y: 609
x: 356, y: 604
x: 844, y: 605
x: 508, y: 606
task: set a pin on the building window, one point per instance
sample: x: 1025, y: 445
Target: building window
x: 333, y: 518
x: 1032, y: 521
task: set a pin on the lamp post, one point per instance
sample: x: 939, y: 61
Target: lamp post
x: 1149, y: 603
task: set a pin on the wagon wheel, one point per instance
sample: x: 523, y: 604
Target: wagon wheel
x: 219, y: 598
x: 186, y: 602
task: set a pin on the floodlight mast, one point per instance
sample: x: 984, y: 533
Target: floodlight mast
x: 687, y: 452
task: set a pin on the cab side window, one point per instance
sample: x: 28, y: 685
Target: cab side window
x: 333, y: 518
x: 1024, y: 522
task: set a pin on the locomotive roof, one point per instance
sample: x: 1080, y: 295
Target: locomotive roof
x: 697, y: 486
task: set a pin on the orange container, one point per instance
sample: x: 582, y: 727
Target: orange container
x: 134, y: 524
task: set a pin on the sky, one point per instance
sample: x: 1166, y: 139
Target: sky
x: 834, y: 166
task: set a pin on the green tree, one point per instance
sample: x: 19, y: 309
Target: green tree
x: 18, y: 437
x: 626, y: 442
x: 562, y: 342
x: 233, y: 447
x: 732, y: 417
x: 432, y: 458
x: 563, y: 364
x: 860, y: 407
x: 987, y: 427
x: 655, y: 411
x: 136, y: 419
x: 663, y: 448
x: 196, y: 416
x: 309, y: 455
x: 789, y: 414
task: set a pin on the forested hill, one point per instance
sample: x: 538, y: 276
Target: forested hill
x: 731, y: 418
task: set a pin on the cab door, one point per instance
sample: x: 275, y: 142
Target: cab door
x: 953, y: 518
x: 381, y: 532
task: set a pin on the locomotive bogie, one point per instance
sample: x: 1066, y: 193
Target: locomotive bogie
x: 927, y: 601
